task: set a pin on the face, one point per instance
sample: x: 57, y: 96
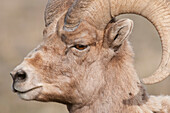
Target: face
x: 66, y: 67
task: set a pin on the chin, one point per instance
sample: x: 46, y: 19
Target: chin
x: 30, y: 95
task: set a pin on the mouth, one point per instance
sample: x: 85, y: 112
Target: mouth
x: 29, y: 90
x: 30, y: 94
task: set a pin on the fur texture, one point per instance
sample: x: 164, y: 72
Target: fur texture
x: 88, y: 69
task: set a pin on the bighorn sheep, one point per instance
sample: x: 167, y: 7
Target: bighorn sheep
x: 86, y: 61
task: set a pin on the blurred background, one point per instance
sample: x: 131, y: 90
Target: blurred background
x: 21, y: 26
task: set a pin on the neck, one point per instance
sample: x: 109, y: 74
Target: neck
x: 123, y: 89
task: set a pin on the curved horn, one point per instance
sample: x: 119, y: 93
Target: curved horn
x: 100, y: 12
x: 55, y: 8
x: 90, y: 11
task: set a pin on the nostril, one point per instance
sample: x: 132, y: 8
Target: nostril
x: 20, y: 75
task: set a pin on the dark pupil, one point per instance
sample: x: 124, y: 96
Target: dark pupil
x: 81, y: 47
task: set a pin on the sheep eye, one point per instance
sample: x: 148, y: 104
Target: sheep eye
x: 81, y: 47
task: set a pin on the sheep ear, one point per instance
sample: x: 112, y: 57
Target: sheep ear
x: 116, y: 33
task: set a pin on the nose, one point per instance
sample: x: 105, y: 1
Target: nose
x: 19, y: 76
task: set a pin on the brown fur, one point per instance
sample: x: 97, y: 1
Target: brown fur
x: 99, y: 79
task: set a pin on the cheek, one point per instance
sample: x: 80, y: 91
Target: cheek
x: 93, y: 55
x: 88, y: 79
x: 62, y: 90
x: 94, y: 77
